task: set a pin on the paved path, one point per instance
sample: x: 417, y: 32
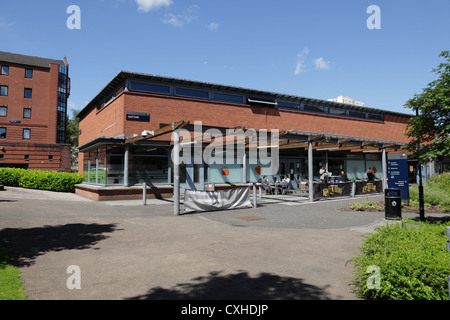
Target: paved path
x: 129, y: 251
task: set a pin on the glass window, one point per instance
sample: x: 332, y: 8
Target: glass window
x: 357, y: 114
x: 3, y: 111
x: 28, y: 93
x: 29, y: 73
x: 3, y: 90
x: 337, y: 111
x: 26, y: 134
x: 228, y: 97
x: 375, y: 116
x: 2, y: 133
x: 312, y: 108
x: 192, y: 93
x: 27, y: 113
x: 26, y: 157
x: 291, y: 105
x: 148, y: 87
x: 5, y: 70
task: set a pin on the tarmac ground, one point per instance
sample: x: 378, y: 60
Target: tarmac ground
x: 70, y: 248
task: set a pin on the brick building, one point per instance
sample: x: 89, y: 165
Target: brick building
x: 343, y: 137
x: 33, y: 111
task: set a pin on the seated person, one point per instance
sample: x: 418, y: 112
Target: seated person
x: 342, y: 177
x: 266, y: 185
x: 323, y: 174
x: 285, y: 183
x: 370, y: 175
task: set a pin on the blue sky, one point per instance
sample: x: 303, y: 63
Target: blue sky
x: 319, y: 49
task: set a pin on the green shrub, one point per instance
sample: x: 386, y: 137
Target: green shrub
x: 11, y: 176
x: 43, y: 180
x: 436, y: 192
x: 367, y: 206
x: 413, y: 262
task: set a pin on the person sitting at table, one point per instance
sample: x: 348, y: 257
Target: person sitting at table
x: 370, y: 175
x: 266, y: 185
x: 323, y: 174
x: 342, y: 177
x: 284, y: 183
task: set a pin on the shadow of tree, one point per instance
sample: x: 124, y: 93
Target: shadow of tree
x: 24, y: 245
x: 239, y: 286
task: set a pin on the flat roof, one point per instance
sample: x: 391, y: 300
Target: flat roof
x: 121, y: 77
x: 28, y: 60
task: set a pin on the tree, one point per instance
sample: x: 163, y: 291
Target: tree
x: 431, y: 127
x: 72, y: 135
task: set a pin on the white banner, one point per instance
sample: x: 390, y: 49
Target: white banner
x: 216, y: 200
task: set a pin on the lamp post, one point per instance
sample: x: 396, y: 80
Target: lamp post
x: 421, y: 201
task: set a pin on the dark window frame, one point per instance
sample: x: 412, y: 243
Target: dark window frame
x: 3, y: 134
x: 26, y: 109
x: 26, y: 73
x: 29, y: 134
x: 4, y: 73
x: 1, y: 91
x: 6, y: 113
x: 25, y: 95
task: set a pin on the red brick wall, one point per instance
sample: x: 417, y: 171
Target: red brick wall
x: 43, y: 103
x: 170, y: 109
x: 165, y: 109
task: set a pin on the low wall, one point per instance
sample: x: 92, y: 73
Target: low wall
x: 103, y: 193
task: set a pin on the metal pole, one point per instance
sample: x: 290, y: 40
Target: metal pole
x: 144, y: 193
x: 421, y: 200
x: 125, y: 166
x: 447, y: 232
x: 255, y: 203
x: 310, y: 171
x: 384, y: 165
x: 176, y: 172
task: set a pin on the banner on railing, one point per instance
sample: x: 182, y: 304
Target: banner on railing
x: 197, y: 201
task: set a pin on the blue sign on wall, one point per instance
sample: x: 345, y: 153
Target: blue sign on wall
x: 138, y: 116
x: 398, y: 173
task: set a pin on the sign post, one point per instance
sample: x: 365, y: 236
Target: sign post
x: 398, y: 174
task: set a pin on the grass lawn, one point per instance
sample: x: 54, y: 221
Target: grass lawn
x: 10, y: 283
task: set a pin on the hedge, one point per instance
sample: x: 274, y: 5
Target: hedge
x: 42, y: 180
x: 413, y: 262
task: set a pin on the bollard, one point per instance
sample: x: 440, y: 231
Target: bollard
x: 255, y: 203
x: 447, y: 232
x: 144, y: 193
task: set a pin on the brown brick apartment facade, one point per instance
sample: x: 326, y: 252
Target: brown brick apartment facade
x: 33, y: 111
x: 134, y: 102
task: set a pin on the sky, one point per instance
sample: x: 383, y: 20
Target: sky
x: 319, y: 49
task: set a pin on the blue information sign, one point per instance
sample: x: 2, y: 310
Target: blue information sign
x: 398, y: 173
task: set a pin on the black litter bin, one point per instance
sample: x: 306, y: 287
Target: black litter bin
x: 393, y: 203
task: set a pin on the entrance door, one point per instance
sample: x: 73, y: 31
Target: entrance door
x: 291, y: 168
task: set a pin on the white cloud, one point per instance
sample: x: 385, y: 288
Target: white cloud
x: 213, y: 26
x: 319, y: 63
x: 185, y: 17
x: 148, y: 5
x: 301, y: 57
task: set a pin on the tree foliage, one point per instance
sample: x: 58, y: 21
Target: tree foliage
x: 431, y: 127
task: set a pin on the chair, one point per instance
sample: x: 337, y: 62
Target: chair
x: 268, y: 188
x: 284, y: 188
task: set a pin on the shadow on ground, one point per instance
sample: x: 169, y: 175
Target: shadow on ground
x: 24, y: 245
x: 239, y: 286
